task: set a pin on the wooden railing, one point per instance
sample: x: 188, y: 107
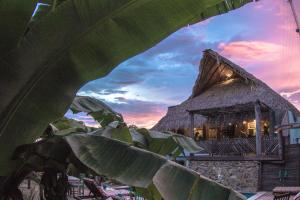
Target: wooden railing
x: 271, y: 147
x: 239, y: 146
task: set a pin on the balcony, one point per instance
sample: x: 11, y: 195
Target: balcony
x: 238, y: 149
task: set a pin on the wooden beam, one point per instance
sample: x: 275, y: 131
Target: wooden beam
x: 206, y: 130
x: 216, y: 76
x: 258, y: 128
x: 287, y: 126
x: 208, y: 76
x: 272, y: 123
x: 280, y: 145
x: 192, y: 125
x: 205, y: 69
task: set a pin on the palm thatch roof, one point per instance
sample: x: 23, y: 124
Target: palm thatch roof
x: 223, y: 84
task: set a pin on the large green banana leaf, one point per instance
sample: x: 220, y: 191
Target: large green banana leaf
x: 138, y: 138
x: 136, y: 167
x: 65, y: 126
x: 163, y: 142
x: 14, y: 18
x: 126, y: 164
x: 41, y: 11
x: 53, y: 3
x: 154, y: 141
x: 77, y: 42
x: 118, y: 131
x: 96, y: 108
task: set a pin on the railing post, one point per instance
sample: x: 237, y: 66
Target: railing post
x: 258, y: 134
x: 192, y: 125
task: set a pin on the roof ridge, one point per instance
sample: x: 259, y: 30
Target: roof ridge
x: 235, y: 67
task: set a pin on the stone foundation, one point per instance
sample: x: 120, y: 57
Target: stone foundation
x: 239, y: 175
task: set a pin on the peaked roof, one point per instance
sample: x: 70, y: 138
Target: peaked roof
x: 223, y: 84
x: 215, y: 69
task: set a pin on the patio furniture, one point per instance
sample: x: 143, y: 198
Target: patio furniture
x: 282, y: 196
x: 122, y: 187
x: 297, y: 197
x: 76, y: 186
x: 98, y: 191
x: 290, y: 190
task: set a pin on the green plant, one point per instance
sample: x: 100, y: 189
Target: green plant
x: 120, y: 161
x: 127, y: 155
x: 47, y: 56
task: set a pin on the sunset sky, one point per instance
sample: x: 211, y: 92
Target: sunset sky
x: 260, y: 37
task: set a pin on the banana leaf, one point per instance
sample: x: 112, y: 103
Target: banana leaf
x: 136, y: 167
x: 41, y: 11
x: 138, y: 139
x: 187, y: 143
x: 149, y: 193
x: 65, y: 123
x: 98, y: 153
x: 166, y: 143
x: 152, y: 174
x: 96, y: 108
x: 14, y: 17
x: 54, y: 3
x: 77, y: 42
x: 65, y: 126
x: 154, y: 141
x: 118, y: 132
x: 160, y: 143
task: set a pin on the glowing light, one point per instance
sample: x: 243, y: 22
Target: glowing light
x: 244, y: 122
x: 228, y: 75
x: 38, y: 139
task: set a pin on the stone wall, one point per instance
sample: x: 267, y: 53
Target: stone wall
x: 239, y: 175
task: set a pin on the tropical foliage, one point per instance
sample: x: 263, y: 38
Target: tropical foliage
x: 110, y: 151
x: 97, y: 109
x: 46, y: 55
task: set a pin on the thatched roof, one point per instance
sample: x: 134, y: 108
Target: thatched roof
x: 222, y: 84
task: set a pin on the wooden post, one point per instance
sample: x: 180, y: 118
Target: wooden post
x: 204, y: 131
x: 258, y: 133
x: 260, y: 170
x: 192, y: 125
x: 218, y: 133
x: 280, y: 145
x: 207, y: 130
x: 271, y: 124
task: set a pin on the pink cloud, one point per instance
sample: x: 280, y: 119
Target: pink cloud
x: 289, y: 95
x: 248, y: 51
x: 276, y: 64
x: 145, y: 120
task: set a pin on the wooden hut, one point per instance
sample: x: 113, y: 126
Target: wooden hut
x: 228, y: 106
